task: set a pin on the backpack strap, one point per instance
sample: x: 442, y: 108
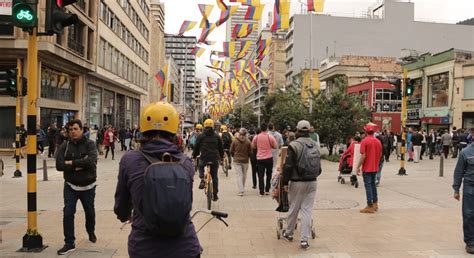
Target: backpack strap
x: 152, y: 160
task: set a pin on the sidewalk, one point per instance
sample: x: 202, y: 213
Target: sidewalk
x: 418, y: 217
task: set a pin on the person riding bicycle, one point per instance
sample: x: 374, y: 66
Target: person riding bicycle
x: 227, y: 141
x: 209, y: 146
x: 194, y: 136
x: 159, y: 125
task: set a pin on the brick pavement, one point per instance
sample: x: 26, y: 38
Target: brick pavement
x: 418, y: 217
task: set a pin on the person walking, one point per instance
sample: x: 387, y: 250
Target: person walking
x: 51, y: 135
x: 40, y: 138
x: 279, y: 140
x: 253, y: 160
x: 410, y: 144
x: 109, y: 142
x: 159, y: 123
x: 264, y: 143
x: 227, y: 139
x: 210, y: 148
x: 77, y: 159
x: 300, y: 172
x: 446, y: 142
x: 431, y: 139
x: 455, y: 143
x: 464, y: 175
x: 387, y: 143
x: 371, y: 151
x: 241, y: 150
x: 315, y: 137
x: 417, y: 141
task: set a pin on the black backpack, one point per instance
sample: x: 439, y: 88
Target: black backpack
x: 226, y: 138
x: 309, y: 159
x: 167, y: 196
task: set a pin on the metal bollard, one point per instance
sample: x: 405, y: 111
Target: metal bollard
x: 45, y: 170
x: 441, y: 166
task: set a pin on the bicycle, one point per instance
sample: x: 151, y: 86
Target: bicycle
x: 225, y: 163
x: 208, y: 190
x: 215, y: 215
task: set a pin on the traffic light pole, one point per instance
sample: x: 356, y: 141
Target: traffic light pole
x: 402, y: 171
x: 17, y: 172
x: 32, y: 240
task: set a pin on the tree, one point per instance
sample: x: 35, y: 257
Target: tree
x: 338, y: 116
x: 243, y: 117
x: 284, y: 109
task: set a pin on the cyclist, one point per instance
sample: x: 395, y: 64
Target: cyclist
x: 194, y: 135
x: 159, y: 125
x: 209, y: 146
x: 227, y: 141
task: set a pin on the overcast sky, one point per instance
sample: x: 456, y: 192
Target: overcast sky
x: 446, y: 11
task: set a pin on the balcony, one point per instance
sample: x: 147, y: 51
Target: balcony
x: 75, y: 46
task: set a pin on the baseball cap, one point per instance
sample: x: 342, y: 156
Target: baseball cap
x: 303, y: 125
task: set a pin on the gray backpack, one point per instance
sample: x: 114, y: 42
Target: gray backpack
x: 309, y: 159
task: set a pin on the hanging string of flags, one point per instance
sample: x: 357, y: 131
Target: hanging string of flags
x: 222, y: 90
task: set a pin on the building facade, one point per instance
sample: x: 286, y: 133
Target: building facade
x: 157, y: 52
x: 276, y: 62
x: 385, y: 106
x: 64, y: 63
x: 443, y: 90
x: 181, y: 49
x: 375, y: 35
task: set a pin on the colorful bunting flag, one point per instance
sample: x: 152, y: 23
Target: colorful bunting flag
x: 221, y: 5
x: 161, y: 76
x: 225, y: 15
x: 186, y: 26
x: 229, y: 49
x: 242, y: 30
x: 281, y: 15
x: 315, y: 6
x: 254, y: 12
x: 198, y: 51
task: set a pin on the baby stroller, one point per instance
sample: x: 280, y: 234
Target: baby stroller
x: 281, y: 197
x: 346, y: 171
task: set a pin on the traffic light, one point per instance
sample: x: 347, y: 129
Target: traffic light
x: 56, y: 16
x: 398, y: 87
x: 8, y: 82
x: 410, y: 86
x: 24, y: 13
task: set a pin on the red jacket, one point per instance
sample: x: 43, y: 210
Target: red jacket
x: 107, y: 137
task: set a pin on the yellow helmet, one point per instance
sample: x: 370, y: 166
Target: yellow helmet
x: 223, y: 127
x: 209, y: 123
x: 199, y: 126
x: 159, y: 116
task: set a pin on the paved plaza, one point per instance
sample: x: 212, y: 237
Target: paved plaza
x: 418, y: 217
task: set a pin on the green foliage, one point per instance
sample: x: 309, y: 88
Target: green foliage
x: 284, y: 108
x: 338, y: 116
x: 244, y: 116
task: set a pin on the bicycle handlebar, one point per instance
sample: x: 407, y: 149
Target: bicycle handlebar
x: 219, y: 214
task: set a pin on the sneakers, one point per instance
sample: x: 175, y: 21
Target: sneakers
x: 240, y: 194
x: 254, y: 187
x: 215, y: 198
x: 66, y: 249
x: 92, y: 237
x: 470, y: 249
x: 201, y: 185
x: 304, y: 245
x: 286, y: 236
x: 267, y: 193
x: 368, y: 209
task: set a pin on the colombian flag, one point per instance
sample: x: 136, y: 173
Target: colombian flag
x: 315, y: 5
x: 229, y: 49
x: 254, y: 13
x: 221, y: 5
x: 161, y: 76
x: 186, y: 26
x: 244, y: 49
x: 226, y: 14
x: 281, y: 15
x: 198, y: 51
x: 242, y: 30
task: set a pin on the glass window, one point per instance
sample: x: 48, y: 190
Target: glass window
x: 386, y: 101
x: 469, y: 88
x: 114, y: 60
x: 120, y: 64
x: 102, y: 11
x: 365, y: 97
x: 102, y: 44
x: 417, y: 90
x: 108, y: 109
x: 57, y: 85
x: 438, y: 86
x: 108, y: 57
x: 95, y: 103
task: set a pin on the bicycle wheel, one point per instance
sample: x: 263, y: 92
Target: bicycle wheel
x: 209, y: 194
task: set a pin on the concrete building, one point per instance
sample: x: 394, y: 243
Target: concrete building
x: 387, y: 29
x: 239, y: 18
x: 175, y: 84
x: 444, y: 90
x: 386, y: 107
x: 198, y: 106
x: 63, y: 64
x: 118, y: 88
x: 356, y: 70
x: 180, y: 48
x: 276, y: 62
x: 157, y: 52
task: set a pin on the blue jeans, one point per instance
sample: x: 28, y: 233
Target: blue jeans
x: 468, y: 214
x: 214, y: 169
x: 70, y: 200
x: 379, y: 174
x: 370, y: 188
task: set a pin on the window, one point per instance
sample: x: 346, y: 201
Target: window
x: 364, y: 96
x: 75, y: 38
x: 108, y: 57
x: 103, y: 11
x: 114, y: 60
x: 418, y: 90
x: 386, y: 101
x: 120, y: 65
x: 102, y: 45
x: 469, y: 88
x: 438, y: 86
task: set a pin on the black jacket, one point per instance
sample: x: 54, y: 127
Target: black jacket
x: 83, y: 154
x: 290, y: 169
x: 210, y: 146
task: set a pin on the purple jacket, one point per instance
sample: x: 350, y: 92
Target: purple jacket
x: 128, y: 196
